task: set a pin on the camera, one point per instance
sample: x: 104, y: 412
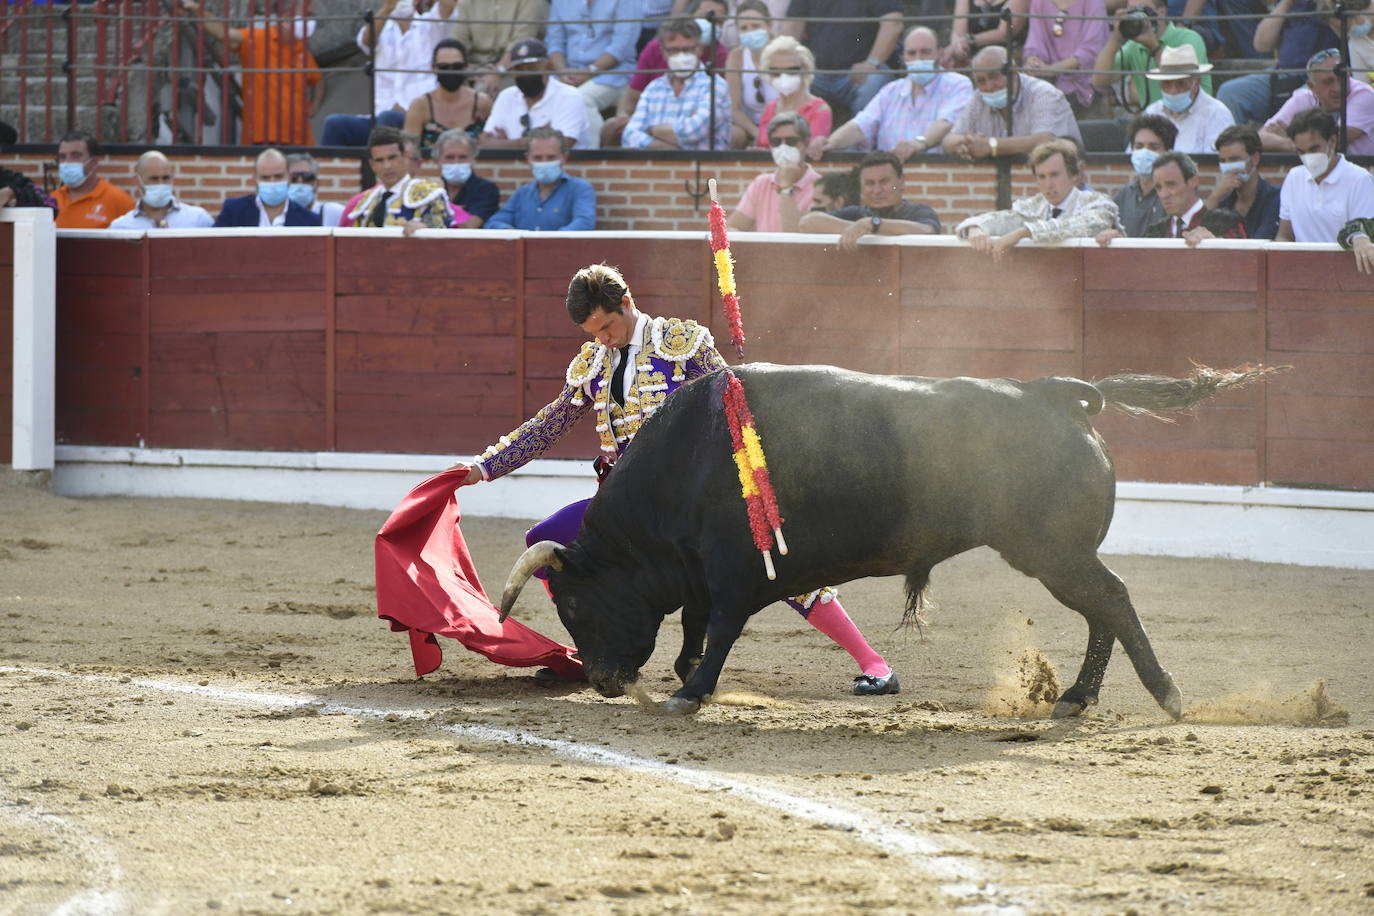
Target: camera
x: 1134, y: 20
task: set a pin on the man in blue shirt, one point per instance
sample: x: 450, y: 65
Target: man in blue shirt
x: 1240, y: 188
x: 554, y: 201
x: 675, y: 111
x: 591, y: 45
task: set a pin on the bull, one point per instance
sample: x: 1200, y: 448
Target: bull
x: 875, y: 476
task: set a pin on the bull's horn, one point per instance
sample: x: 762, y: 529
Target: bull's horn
x: 535, y: 556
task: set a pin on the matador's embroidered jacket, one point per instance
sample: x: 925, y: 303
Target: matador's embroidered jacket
x: 672, y: 352
x: 416, y: 198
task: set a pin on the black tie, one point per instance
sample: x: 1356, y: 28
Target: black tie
x: 618, y: 376
x: 1055, y: 211
x: 379, y: 212
x: 1178, y: 227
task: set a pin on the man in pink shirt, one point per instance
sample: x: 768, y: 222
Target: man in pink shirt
x: 776, y: 200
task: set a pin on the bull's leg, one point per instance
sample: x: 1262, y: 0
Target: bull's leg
x: 721, y: 634
x: 694, y: 619
x: 1094, y: 591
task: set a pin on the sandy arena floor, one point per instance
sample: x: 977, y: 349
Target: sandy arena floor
x: 200, y: 712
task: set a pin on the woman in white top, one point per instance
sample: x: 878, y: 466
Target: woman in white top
x: 750, y: 91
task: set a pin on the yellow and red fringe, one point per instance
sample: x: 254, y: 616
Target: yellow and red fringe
x: 765, y: 522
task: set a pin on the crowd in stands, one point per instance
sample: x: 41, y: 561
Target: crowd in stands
x: 806, y: 79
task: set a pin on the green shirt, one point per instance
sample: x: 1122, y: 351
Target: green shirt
x: 1135, y: 56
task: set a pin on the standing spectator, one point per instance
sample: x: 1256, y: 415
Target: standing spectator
x: 1354, y: 236
x: 859, y: 50
x: 85, y: 200
x: 488, y: 28
x: 1185, y: 213
x: 1039, y: 112
x: 834, y: 191
x: 456, y: 151
x: 271, y: 206
x: 750, y: 91
x: 1141, y: 33
x: 1326, y: 191
x: 282, y: 86
x: 676, y: 110
x: 554, y: 201
x: 1198, y: 117
x: 1323, y: 90
x: 776, y: 200
x: 1297, y: 30
x: 158, y: 207
x: 598, y: 54
x: 907, y: 116
x: 399, y: 198
x: 536, y: 100
x: 1240, y: 188
x: 883, y: 211
x: 1137, y: 202
x: 303, y: 174
x: 1361, y: 44
x: 1062, y: 46
x: 791, y: 69
x: 978, y: 25
x: 453, y: 103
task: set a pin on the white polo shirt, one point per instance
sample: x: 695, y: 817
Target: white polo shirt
x: 179, y: 216
x: 1199, y: 126
x: 561, y: 107
x: 1318, y: 211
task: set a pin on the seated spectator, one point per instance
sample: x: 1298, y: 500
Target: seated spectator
x: 1354, y: 236
x: 1137, y: 202
x: 303, y: 173
x: 158, y: 207
x: 593, y: 54
x: 834, y: 191
x: 776, y: 200
x: 1198, y: 117
x: 1185, y: 214
x: 488, y: 28
x: 1039, y: 112
x: 1060, y: 211
x: 750, y: 91
x: 978, y: 25
x: 653, y: 64
x: 85, y: 200
x: 1361, y: 44
x: 1297, y: 30
x: 1240, y: 188
x: 453, y: 104
x: 675, y: 110
x: 860, y: 46
x: 791, y: 68
x: 536, y: 100
x: 271, y: 205
x: 1139, y: 36
x: 410, y: 151
x: 554, y: 200
x: 404, y: 32
x: 16, y: 190
x: 1324, y: 193
x: 479, y: 197
x: 1063, y: 47
x: 907, y: 116
x: 882, y: 210
x: 398, y: 198
x: 1323, y: 90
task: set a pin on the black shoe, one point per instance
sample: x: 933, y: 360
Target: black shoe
x: 867, y: 685
x: 548, y: 676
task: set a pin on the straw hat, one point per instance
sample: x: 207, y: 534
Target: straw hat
x: 1176, y: 63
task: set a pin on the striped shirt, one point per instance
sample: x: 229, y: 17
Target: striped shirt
x: 904, y: 111
x: 1038, y: 106
x: 688, y: 113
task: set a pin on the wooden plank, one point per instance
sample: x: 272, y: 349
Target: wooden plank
x: 76, y: 351
x: 1017, y: 364
x: 1321, y: 463
x: 237, y: 352
x: 1133, y: 300
x: 1313, y: 271
x: 804, y: 267
x: 103, y: 426
x: 99, y: 388
x: 295, y: 392
x: 1141, y: 340
x: 438, y: 353
x: 218, y: 312
x: 1323, y: 374
x: 281, y: 430
x: 99, y: 257
x: 427, y: 394
x: 230, y: 258
x: 1195, y: 465
x: 1210, y: 427
x: 1050, y: 297
x: 962, y: 268
x: 388, y: 432
x: 427, y: 258
x: 1321, y: 331
x: 1319, y: 417
x: 425, y: 315
x: 1169, y: 271
x: 6, y: 250
x: 643, y: 262
x: 330, y: 303
x: 549, y: 359
x: 473, y: 292
x: 989, y: 329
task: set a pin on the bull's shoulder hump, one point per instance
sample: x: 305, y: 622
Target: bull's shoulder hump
x: 678, y: 339
x: 586, y: 364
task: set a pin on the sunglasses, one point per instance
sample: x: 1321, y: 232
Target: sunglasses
x: 790, y: 141
x: 458, y: 67
x: 302, y: 178
x: 525, y: 122
x: 1320, y: 56
x: 758, y: 89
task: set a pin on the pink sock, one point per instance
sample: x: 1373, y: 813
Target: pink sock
x: 830, y: 618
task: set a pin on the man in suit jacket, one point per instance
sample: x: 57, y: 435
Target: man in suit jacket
x: 269, y: 207
x: 1185, y: 215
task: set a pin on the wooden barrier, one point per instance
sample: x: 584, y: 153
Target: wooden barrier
x: 356, y: 341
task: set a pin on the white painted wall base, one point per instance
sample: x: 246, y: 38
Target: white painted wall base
x: 1267, y: 524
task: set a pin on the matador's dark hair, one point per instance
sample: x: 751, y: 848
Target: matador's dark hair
x: 599, y: 286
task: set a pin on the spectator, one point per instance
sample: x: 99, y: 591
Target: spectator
x: 1198, y: 117
x: 453, y: 104
x: 907, y: 116
x: 652, y: 64
x: 1234, y: 38
x: 1354, y: 236
x: 1323, y: 90
x: 1039, y: 112
x: 1360, y: 21
x: 479, y: 197
x: 1137, y: 202
x: 597, y: 54
x: 750, y: 92
x: 554, y: 200
x: 861, y: 48
x: 729, y: 31
x: 1140, y: 35
x: 791, y: 68
x: 410, y: 150
x: 1240, y: 188
x: 16, y: 190
x: 834, y: 191
x: 277, y: 105
x: 1185, y: 214
x: 1324, y: 193
x: 882, y: 211
x: 488, y: 28
x: 535, y: 100
x: 1064, y: 48
x: 1297, y: 31
x: 978, y: 25
x: 85, y: 200
x: 303, y: 174
x: 405, y: 33
x: 1060, y: 211
x: 398, y: 198
x: 676, y: 110
x: 271, y: 206
x: 776, y: 200
x: 158, y: 206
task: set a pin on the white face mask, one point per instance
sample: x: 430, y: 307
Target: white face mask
x: 787, y: 83
x: 1317, y: 163
x: 785, y: 156
x: 682, y: 64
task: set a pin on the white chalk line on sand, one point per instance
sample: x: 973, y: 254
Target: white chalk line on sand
x: 964, y: 881
x: 101, y: 871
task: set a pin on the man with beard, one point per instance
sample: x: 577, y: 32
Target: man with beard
x: 536, y: 100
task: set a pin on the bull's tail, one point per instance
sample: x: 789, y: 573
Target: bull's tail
x: 1155, y: 394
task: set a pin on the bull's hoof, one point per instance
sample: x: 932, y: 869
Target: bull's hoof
x: 681, y: 706
x: 1172, y: 702
x: 1072, y: 706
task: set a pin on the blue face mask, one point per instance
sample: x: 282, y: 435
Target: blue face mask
x: 756, y: 39
x: 1361, y: 29
x: 302, y: 195
x: 1143, y: 161
x: 1177, y: 103
x: 996, y: 99
x: 71, y: 173
x: 1234, y: 167
x: 456, y: 172
x: 707, y: 30
x: 157, y: 196
x: 272, y: 193
x: 547, y: 172
x: 920, y: 71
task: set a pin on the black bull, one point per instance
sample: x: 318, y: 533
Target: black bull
x: 875, y: 476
